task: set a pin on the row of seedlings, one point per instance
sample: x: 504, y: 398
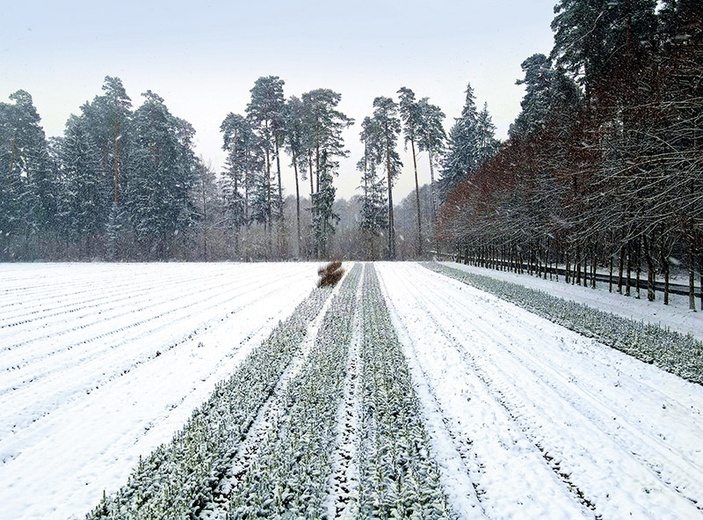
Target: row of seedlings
x: 398, y: 477
x: 179, y: 478
x: 672, y: 351
x: 289, y: 476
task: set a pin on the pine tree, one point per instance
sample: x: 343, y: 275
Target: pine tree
x: 321, y: 134
x: 431, y: 139
x: 593, y: 37
x: 244, y: 162
x: 108, y: 118
x: 323, y: 125
x: 550, y: 96
x: 374, y: 208
x: 382, y: 137
x: 295, y: 141
x: 266, y: 113
x: 411, y: 115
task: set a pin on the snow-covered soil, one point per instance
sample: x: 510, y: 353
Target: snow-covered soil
x: 675, y: 316
x: 101, y: 363
x: 535, y: 421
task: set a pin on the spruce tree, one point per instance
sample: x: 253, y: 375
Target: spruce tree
x: 28, y: 185
x: 85, y: 197
x: 471, y: 143
x: 160, y: 177
x: 324, y: 218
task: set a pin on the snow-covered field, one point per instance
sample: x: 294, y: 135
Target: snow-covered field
x: 539, y: 421
x: 675, y: 316
x: 101, y: 363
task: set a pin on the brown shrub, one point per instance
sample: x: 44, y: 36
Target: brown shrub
x: 330, y: 274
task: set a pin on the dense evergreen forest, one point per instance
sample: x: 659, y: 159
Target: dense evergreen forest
x: 601, y: 171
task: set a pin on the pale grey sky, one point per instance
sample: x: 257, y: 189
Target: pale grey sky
x: 203, y: 57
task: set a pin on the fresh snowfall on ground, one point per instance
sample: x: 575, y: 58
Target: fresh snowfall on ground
x: 505, y: 414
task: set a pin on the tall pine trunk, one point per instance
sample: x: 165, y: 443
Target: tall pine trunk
x: 297, y: 205
x: 391, y: 223
x: 417, y: 201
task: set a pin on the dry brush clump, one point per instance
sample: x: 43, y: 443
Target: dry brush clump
x: 330, y: 274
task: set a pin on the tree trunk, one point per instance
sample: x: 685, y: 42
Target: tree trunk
x: 391, y: 223
x: 651, y: 276
x: 665, y: 265
x: 628, y: 280
x: 433, y: 195
x: 621, y: 263
x: 280, y: 184
x: 417, y: 200
x: 638, y: 275
x: 691, y: 278
x: 312, y: 188
x: 297, y: 204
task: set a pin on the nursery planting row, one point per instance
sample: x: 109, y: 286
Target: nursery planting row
x: 400, y: 392
x: 276, y: 439
x: 180, y: 478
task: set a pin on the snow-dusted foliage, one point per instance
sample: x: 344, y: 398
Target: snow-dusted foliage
x: 398, y: 477
x: 675, y: 352
x: 290, y: 472
x: 264, y: 444
x: 179, y: 478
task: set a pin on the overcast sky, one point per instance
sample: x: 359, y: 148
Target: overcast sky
x: 203, y: 57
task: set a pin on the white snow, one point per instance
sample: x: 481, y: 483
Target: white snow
x: 101, y: 363
x: 546, y: 423
x: 675, y: 316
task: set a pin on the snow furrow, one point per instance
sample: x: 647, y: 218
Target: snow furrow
x: 88, y: 368
x: 625, y: 424
x: 90, y: 442
x: 542, y: 378
x: 343, y: 493
x: 507, y: 472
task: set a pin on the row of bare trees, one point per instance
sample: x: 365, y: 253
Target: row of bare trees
x: 603, y: 170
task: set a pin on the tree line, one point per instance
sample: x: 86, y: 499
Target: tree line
x: 602, y: 171
x: 125, y: 184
